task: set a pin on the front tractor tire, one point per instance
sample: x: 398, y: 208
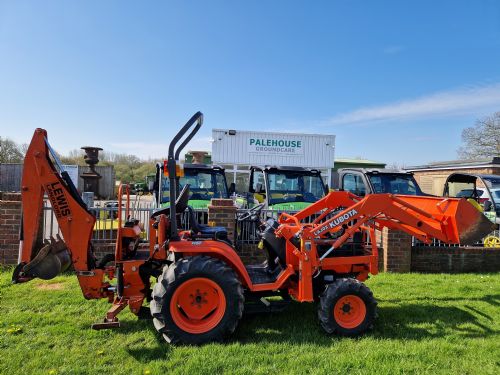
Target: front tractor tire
x: 347, y: 308
x: 197, y: 300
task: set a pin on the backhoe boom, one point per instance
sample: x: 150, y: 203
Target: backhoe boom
x: 75, y: 222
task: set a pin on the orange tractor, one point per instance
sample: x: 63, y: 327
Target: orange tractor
x: 194, y: 280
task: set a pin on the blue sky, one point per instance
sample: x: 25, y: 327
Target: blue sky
x: 396, y: 81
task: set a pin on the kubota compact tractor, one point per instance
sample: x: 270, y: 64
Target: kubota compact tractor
x: 202, y: 286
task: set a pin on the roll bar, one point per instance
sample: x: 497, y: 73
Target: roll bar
x: 173, y: 156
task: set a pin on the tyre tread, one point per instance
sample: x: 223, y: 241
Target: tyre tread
x: 173, y: 275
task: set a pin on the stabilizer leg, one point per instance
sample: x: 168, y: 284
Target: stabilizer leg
x: 111, y: 320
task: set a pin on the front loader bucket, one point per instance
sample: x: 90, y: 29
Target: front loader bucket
x: 451, y: 220
x: 472, y: 225
x: 51, y: 260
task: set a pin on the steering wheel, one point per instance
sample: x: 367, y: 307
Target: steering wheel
x: 251, y: 212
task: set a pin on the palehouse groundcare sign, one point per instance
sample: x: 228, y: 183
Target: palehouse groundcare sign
x: 236, y: 150
x: 275, y: 146
x: 245, y: 147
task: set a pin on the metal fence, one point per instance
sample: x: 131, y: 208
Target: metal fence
x: 106, y: 225
x: 246, y: 231
x: 491, y: 240
x: 10, y: 174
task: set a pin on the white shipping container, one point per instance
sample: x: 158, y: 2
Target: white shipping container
x: 269, y: 148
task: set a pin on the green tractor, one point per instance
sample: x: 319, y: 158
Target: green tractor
x: 205, y: 182
x: 285, y: 188
x: 145, y: 187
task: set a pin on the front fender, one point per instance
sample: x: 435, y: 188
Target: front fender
x: 215, y: 249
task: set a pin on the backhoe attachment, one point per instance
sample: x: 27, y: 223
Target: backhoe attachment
x: 47, y: 259
x: 50, y: 261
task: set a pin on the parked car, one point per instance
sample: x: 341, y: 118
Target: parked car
x: 467, y: 193
x: 485, y: 189
x: 361, y: 181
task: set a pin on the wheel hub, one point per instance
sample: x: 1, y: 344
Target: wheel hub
x: 349, y: 311
x: 198, y: 298
x: 346, y: 308
x: 198, y: 305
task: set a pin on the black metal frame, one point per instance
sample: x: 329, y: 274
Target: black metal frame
x: 173, y: 156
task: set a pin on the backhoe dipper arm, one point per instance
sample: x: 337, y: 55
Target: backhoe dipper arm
x: 75, y: 222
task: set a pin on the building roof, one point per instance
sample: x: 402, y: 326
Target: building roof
x: 357, y: 161
x: 458, y: 164
x: 377, y: 170
x: 274, y: 168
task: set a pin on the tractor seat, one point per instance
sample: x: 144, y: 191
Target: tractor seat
x: 206, y: 231
x: 131, y: 222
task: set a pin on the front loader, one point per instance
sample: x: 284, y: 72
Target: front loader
x: 195, y: 281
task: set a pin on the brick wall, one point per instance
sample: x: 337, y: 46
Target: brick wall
x: 397, y: 251
x: 251, y: 254
x: 396, y: 254
x: 222, y: 213
x: 399, y: 256
x: 10, y: 218
x: 454, y: 259
x: 103, y: 248
x: 379, y: 240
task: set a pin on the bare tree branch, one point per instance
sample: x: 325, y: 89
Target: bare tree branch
x: 482, y: 140
x: 10, y: 151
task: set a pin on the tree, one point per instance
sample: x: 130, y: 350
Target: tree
x: 483, y: 139
x: 128, y: 168
x: 74, y: 157
x: 10, y: 151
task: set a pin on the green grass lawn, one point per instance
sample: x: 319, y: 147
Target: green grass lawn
x: 427, y: 324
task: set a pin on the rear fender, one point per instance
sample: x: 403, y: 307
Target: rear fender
x: 215, y: 249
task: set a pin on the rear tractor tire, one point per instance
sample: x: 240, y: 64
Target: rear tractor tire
x: 347, y: 308
x: 197, y: 300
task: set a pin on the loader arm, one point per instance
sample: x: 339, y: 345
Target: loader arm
x: 75, y: 222
x: 319, y: 246
x: 449, y: 220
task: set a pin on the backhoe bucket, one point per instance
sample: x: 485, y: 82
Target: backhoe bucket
x: 472, y: 225
x: 51, y: 260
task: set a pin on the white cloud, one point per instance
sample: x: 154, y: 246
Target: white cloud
x: 145, y: 150
x: 463, y: 101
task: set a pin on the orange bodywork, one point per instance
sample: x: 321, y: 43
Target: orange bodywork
x: 448, y: 220
x: 310, y: 248
x: 423, y: 217
x: 75, y: 222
